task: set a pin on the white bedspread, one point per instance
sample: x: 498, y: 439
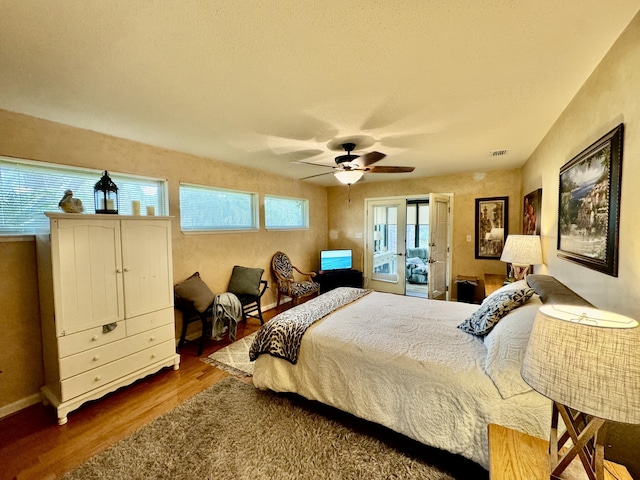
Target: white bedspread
x: 401, y: 362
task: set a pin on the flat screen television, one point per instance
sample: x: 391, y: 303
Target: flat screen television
x: 335, y: 260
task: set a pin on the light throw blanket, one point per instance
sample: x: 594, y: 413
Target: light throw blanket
x: 281, y: 336
x: 227, y: 312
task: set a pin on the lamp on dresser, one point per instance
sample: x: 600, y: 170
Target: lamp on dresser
x: 587, y: 361
x: 522, y: 251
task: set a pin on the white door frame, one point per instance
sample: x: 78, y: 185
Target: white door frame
x: 368, y: 238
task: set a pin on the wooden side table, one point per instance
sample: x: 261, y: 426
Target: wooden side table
x: 514, y: 455
x: 492, y: 282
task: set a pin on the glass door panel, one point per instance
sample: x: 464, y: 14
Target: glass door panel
x: 386, y: 225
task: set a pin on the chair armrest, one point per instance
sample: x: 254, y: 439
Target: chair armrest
x: 263, y: 285
x: 309, y: 274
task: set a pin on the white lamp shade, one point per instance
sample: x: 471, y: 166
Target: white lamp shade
x: 348, y: 177
x: 522, y: 250
x: 586, y: 359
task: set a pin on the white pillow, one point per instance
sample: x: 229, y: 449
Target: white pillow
x: 517, y: 285
x: 506, y: 344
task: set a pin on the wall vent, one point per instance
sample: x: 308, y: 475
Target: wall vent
x: 498, y: 153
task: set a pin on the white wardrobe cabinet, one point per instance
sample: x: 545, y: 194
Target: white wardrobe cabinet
x: 106, y: 303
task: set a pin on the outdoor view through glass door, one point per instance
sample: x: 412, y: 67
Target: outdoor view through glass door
x: 417, y: 252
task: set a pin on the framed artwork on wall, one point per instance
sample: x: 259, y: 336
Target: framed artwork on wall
x: 531, y: 213
x: 589, y: 205
x: 492, y: 215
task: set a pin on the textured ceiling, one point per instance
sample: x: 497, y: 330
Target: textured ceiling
x: 433, y: 84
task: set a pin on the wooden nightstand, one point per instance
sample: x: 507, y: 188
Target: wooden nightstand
x: 492, y: 282
x: 515, y: 455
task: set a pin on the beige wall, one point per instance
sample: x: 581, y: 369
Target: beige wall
x: 213, y: 255
x: 610, y: 96
x: 346, y: 218
x: 20, y: 344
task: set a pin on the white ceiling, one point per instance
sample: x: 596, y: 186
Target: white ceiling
x: 433, y: 84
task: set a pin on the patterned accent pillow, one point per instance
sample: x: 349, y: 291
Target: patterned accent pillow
x: 490, y: 313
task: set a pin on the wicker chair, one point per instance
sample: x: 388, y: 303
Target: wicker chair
x: 287, y: 285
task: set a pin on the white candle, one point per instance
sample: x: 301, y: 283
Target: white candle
x: 110, y: 204
x: 135, y: 207
x: 151, y: 210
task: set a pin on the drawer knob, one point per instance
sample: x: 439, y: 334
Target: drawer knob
x: 94, y: 338
x: 96, y: 357
x: 97, y: 379
x: 152, y: 338
x: 153, y: 355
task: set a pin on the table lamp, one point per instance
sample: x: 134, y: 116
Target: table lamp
x: 522, y: 251
x: 587, y: 361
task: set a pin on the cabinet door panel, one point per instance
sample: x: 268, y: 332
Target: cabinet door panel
x: 89, y: 291
x: 146, y: 259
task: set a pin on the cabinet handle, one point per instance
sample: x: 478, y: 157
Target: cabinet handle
x: 118, y: 270
x: 96, y: 358
x: 97, y: 379
x: 126, y: 269
x: 94, y: 338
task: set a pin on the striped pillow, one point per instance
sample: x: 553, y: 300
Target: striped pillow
x: 490, y: 312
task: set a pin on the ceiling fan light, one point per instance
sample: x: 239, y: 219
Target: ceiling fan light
x: 348, y: 177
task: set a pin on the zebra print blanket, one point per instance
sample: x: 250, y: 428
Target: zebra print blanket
x: 281, y: 336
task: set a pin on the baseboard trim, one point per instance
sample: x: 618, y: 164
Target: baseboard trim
x: 20, y: 404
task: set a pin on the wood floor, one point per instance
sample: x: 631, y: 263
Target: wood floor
x: 33, y: 446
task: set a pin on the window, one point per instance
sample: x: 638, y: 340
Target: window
x: 28, y: 188
x: 205, y: 209
x: 283, y: 212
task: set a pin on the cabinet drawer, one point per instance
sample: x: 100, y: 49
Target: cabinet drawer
x: 84, y: 361
x: 98, y: 377
x: 148, y: 321
x: 89, y: 339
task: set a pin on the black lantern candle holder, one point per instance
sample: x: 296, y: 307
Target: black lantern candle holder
x: 106, y: 195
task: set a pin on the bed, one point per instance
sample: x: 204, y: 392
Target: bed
x: 403, y: 362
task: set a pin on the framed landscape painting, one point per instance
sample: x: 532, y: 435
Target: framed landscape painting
x: 531, y: 213
x: 492, y: 215
x: 589, y: 205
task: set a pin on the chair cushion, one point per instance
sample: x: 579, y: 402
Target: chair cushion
x: 299, y: 289
x: 195, y: 290
x: 245, y: 281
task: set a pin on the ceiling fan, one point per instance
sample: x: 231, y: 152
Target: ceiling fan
x: 350, y: 167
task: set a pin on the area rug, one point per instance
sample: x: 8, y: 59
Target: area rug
x: 234, y: 431
x: 234, y: 358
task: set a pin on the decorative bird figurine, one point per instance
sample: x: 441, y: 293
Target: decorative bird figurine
x: 69, y: 204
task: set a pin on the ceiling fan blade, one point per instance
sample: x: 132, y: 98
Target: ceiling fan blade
x: 317, y: 175
x: 384, y: 169
x: 370, y: 158
x: 314, y: 164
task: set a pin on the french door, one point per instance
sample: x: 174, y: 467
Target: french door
x: 386, y: 227
x: 385, y: 245
x: 439, y: 224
